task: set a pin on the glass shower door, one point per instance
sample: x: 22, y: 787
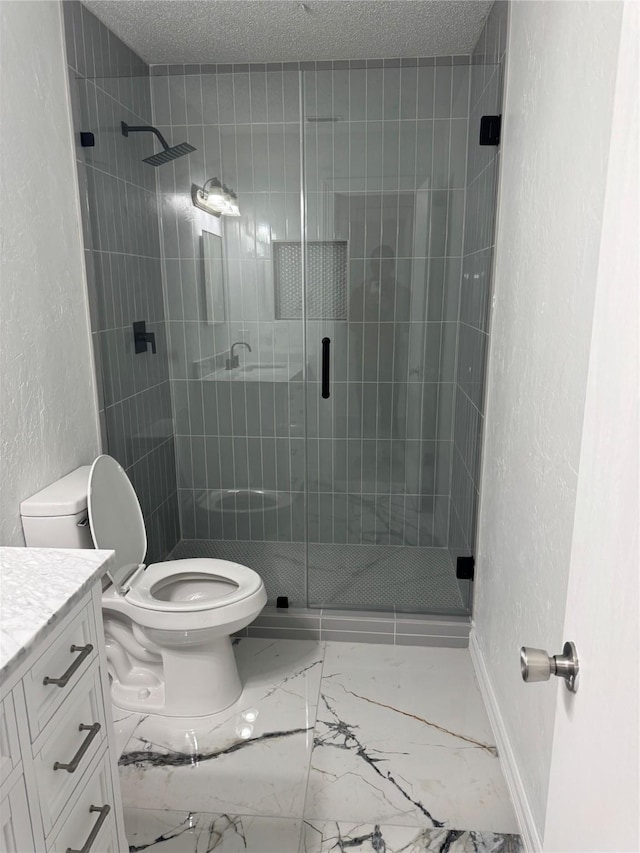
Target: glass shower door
x: 379, y: 356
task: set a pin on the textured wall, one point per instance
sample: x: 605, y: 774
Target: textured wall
x: 48, y: 414
x: 110, y: 84
x: 549, y: 222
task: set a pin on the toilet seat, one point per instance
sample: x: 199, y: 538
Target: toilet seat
x: 115, y: 519
x: 179, y: 592
x: 222, y: 574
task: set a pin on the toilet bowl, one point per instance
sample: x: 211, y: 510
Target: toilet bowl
x: 167, y: 625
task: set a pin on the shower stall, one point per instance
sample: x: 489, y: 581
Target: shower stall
x: 314, y: 408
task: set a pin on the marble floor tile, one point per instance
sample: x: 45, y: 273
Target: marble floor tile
x: 402, y: 738
x: 372, y: 838
x: 252, y: 758
x: 352, y: 746
x: 124, y: 725
x: 199, y: 832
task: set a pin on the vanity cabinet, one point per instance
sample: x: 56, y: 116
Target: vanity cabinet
x: 58, y: 763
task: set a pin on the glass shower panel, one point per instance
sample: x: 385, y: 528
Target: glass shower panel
x: 108, y: 85
x: 384, y: 166
x: 233, y: 287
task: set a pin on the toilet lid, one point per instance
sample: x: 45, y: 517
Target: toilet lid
x: 115, y: 518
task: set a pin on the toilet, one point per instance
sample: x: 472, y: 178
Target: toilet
x: 168, y: 626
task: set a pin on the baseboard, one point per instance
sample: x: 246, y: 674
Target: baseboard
x: 528, y: 830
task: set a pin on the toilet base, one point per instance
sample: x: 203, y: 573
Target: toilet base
x: 195, y: 681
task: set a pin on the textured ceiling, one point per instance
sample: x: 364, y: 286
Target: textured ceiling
x: 205, y: 31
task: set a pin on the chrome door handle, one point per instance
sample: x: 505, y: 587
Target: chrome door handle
x: 104, y: 814
x: 538, y: 665
x: 85, y: 651
x: 72, y: 766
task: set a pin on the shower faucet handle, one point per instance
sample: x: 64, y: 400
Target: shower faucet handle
x: 141, y: 338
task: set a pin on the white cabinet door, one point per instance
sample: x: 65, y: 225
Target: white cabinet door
x: 9, y: 744
x: 16, y: 823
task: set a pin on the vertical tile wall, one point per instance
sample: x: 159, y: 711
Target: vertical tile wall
x: 389, y: 177
x: 110, y: 84
x: 240, y: 437
x: 487, y: 73
x: 385, y: 162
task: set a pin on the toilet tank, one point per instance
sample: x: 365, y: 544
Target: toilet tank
x: 57, y: 516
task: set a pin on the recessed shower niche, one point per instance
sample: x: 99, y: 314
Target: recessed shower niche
x: 315, y: 406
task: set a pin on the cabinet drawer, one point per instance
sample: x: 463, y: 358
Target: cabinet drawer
x: 88, y: 812
x: 72, y: 739
x: 9, y: 745
x: 62, y: 663
x: 107, y: 840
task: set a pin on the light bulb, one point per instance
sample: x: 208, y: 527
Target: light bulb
x: 215, y: 195
x: 232, y: 205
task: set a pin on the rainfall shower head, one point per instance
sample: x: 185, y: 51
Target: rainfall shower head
x: 170, y: 153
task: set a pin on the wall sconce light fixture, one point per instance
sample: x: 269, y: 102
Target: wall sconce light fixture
x: 216, y: 198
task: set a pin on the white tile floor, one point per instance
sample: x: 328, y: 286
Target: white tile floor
x: 332, y: 746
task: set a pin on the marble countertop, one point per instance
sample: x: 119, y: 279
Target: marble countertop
x: 38, y: 587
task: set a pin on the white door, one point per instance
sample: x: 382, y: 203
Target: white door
x: 593, y: 800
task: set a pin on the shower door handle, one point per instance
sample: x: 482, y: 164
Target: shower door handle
x: 326, y: 367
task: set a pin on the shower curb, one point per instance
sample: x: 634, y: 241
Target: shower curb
x: 349, y: 626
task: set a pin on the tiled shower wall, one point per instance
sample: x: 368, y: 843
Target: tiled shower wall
x: 234, y: 434
x: 110, y: 84
x: 487, y: 75
x: 386, y: 174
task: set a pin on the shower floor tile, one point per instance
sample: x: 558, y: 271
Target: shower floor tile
x: 380, y: 577
x: 332, y: 745
x: 388, y: 576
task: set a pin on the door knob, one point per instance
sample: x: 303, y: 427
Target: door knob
x: 538, y: 665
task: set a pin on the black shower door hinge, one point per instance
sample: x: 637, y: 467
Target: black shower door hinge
x: 490, y: 130
x: 465, y: 568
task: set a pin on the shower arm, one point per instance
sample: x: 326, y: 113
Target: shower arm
x: 144, y: 128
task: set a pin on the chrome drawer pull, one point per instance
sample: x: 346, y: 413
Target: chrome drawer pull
x: 104, y: 813
x: 72, y: 766
x: 85, y: 651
